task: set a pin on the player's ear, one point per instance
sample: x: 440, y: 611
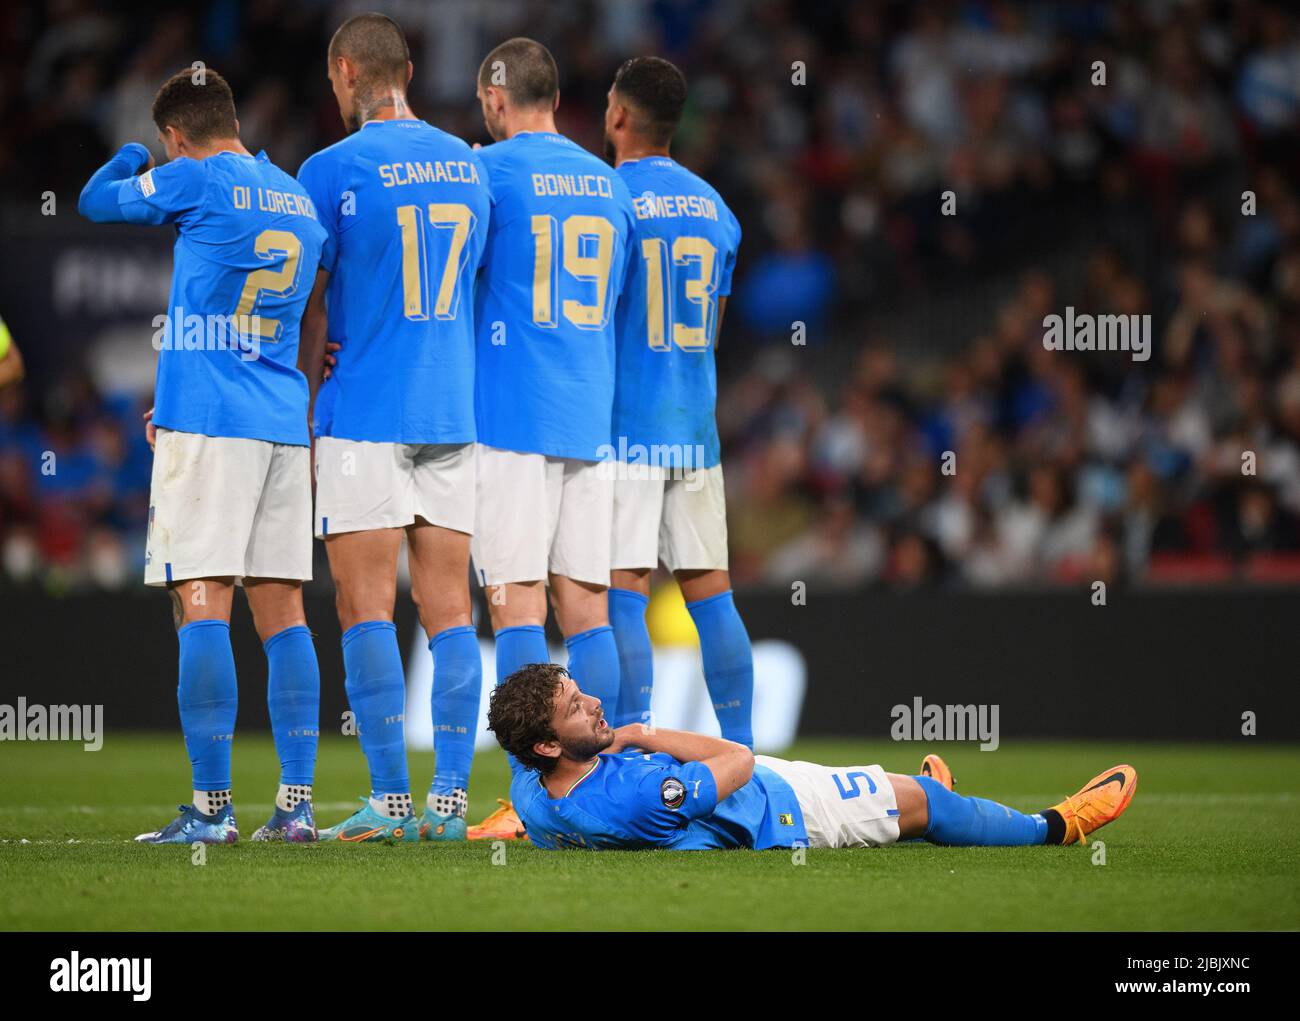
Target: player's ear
x: 347, y: 73
x: 556, y: 105
x: 410, y: 72
x: 547, y: 749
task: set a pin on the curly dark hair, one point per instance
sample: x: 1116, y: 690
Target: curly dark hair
x: 198, y: 102
x: 520, y: 711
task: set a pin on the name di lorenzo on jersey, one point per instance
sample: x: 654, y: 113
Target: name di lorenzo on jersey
x: 269, y: 200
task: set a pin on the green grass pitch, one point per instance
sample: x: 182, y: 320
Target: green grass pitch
x: 1211, y: 841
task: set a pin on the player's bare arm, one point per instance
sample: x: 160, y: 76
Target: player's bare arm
x: 731, y: 764
x: 315, y: 330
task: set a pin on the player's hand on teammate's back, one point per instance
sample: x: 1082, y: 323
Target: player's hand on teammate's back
x: 150, y: 430
x: 330, y: 361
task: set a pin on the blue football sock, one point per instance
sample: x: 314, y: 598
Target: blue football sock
x: 593, y: 662
x: 635, y: 655
x: 457, y: 685
x: 519, y: 646
x: 208, y: 696
x: 728, y: 664
x: 293, y: 698
x: 377, y: 694
x: 961, y: 821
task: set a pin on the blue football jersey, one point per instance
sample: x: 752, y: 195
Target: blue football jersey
x: 408, y: 206
x: 634, y: 800
x: 685, y: 252
x: 247, y: 247
x: 554, y: 269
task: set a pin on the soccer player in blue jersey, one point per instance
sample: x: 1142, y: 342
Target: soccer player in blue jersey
x: 668, y: 496
x: 562, y: 224
x: 408, y: 207
x: 585, y: 784
x: 231, y: 495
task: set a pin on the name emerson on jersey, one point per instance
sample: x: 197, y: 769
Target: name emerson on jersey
x: 650, y: 206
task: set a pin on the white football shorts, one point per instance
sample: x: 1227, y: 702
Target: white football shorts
x: 361, y: 486
x: 222, y: 506
x: 679, y: 517
x: 540, y: 515
x: 848, y: 806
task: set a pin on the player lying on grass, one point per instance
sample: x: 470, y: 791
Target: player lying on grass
x: 589, y: 785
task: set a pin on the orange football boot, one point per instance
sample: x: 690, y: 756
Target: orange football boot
x: 1101, y: 800
x: 502, y: 824
x: 935, y: 768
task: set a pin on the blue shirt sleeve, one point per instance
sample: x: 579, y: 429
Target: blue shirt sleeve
x: 729, y: 263
x: 630, y: 247
x: 164, y: 194
x: 314, y: 175
x: 99, y: 198
x: 483, y: 175
x: 670, y: 797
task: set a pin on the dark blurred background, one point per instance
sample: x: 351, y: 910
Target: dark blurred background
x: 923, y: 331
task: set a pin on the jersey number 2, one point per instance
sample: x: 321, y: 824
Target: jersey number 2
x: 281, y: 281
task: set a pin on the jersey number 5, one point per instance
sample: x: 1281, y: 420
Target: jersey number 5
x: 281, y: 281
x: 447, y: 217
x: 849, y: 786
x: 661, y: 273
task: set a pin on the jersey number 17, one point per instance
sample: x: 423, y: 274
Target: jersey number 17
x: 448, y: 218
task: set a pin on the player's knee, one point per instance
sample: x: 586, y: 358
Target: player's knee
x: 581, y: 609
x: 270, y: 620
x: 441, y: 610
x: 516, y: 606
x: 357, y: 602
x: 697, y: 585
x: 201, y: 599
x: 630, y: 580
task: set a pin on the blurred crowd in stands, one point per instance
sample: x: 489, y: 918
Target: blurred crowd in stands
x: 1136, y: 158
